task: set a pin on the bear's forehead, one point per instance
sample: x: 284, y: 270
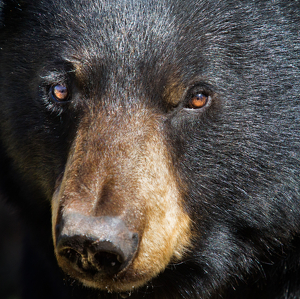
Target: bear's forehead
x: 119, y: 37
x: 117, y: 27
x: 155, y: 40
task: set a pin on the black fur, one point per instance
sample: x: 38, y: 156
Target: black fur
x: 240, y: 158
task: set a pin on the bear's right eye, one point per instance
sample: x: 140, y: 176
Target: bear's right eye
x: 59, y: 93
x: 198, y: 98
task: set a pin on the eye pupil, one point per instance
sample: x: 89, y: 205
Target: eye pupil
x: 60, y: 92
x: 198, y: 101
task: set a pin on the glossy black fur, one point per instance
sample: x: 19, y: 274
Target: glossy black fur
x: 239, y: 158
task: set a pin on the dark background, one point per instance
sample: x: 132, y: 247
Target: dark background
x: 10, y: 252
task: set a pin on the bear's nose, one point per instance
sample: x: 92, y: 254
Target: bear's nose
x: 91, y: 245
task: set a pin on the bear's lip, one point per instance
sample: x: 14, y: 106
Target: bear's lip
x: 122, y: 282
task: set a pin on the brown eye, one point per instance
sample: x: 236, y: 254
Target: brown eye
x: 59, y: 93
x: 197, y: 101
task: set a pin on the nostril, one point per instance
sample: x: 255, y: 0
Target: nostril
x: 88, y: 256
x: 108, y: 262
x: 102, y: 246
x: 70, y: 254
x: 70, y: 249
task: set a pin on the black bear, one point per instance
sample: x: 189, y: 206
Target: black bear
x: 152, y: 147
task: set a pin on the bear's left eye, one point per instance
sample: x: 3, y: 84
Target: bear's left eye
x: 59, y: 93
x: 197, y: 101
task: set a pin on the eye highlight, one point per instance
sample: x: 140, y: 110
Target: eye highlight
x: 59, y: 93
x: 197, y: 101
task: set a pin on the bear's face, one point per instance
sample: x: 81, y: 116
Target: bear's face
x: 100, y: 143
x: 152, y: 143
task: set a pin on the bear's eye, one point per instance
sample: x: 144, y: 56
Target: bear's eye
x: 59, y: 93
x: 197, y: 101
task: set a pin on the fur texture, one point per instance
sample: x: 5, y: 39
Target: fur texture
x: 230, y: 169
